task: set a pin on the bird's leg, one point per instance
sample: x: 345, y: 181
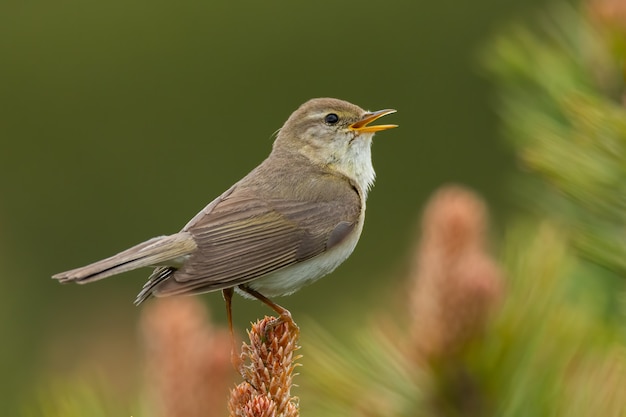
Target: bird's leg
x: 285, y: 315
x: 235, y: 359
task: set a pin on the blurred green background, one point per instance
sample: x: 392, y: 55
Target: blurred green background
x: 119, y: 120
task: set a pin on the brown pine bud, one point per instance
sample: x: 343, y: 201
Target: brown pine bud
x: 268, y: 364
x: 456, y: 281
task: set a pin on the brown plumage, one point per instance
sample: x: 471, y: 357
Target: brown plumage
x: 290, y: 221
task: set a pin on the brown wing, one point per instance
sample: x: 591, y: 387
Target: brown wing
x: 242, y: 238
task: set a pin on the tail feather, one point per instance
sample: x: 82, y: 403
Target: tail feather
x: 158, y: 276
x: 153, y: 252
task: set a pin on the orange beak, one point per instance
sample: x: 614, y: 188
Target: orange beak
x: 362, y: 125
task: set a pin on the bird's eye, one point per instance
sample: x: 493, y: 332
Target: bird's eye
x: 331, y: 119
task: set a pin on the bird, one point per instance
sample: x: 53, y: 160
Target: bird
x: 292, y: 220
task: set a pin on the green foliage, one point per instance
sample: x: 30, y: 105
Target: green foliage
x: 75, y: 398
x: 528, y: 358
x: 370, y: 376
x: 560, y: 91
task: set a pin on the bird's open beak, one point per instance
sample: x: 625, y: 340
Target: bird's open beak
x: 362, y: 125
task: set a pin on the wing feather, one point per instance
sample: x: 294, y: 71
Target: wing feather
x: 242, y: 237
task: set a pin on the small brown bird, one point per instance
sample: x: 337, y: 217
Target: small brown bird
x: 290, y: 221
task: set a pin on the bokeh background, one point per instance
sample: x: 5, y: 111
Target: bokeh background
x: 119, y: 120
